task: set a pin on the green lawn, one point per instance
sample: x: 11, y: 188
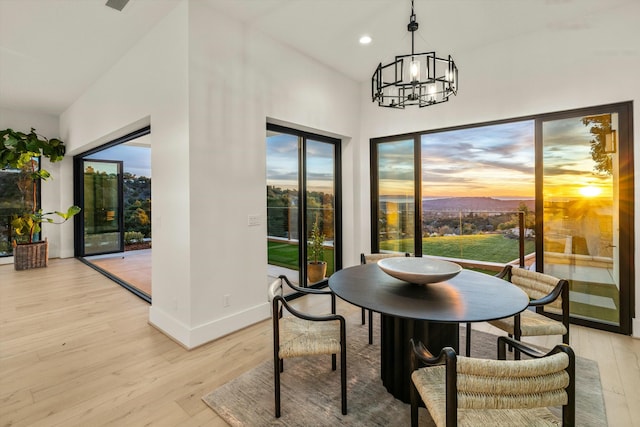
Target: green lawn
x: 286, y: 255
x: 480, y: 247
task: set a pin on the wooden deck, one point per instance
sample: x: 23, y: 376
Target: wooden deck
x: 133, y: 267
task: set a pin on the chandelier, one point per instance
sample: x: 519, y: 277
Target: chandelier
x: 415, y: 79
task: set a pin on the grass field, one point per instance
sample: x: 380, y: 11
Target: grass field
x: 480, y: 247
x: 285, y: 254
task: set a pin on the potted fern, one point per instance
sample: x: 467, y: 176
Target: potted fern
x: 316, y: 266
x: 23, y: 151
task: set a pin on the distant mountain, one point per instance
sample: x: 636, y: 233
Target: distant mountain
x: 475, y: 204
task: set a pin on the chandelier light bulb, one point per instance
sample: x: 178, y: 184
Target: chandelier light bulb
x: 414, y: 71
x: 432, y: 92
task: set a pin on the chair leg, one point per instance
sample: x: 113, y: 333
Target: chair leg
x: 517, y: 335
x: 333, y: 362
x: 468, y: 340
x: 370, y: 327
x: 413, y: 395
x: 343, y: 379
x: 276, y: 375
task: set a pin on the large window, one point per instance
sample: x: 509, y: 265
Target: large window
x: 303, y: 189
x: 470, y: 183
x: 15, y: 198
x: 566, y: 177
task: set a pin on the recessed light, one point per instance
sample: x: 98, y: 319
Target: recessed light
x: 365, y: 39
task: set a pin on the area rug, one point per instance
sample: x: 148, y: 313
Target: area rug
x: 311, y: 390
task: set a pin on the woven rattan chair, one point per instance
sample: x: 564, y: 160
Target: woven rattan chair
x: 544, y: 291
x: 370, y: 259
x: 299, y: 334
x: 463, y: 391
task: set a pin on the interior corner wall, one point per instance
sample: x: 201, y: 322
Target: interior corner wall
x: 535, y: 73
x: 207, y: 85
x: 149, y: 86
x: 238, y: 79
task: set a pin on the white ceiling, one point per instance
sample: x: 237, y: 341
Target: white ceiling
x: 51, y: 51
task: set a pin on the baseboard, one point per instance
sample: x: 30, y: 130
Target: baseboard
x: 191, y: 338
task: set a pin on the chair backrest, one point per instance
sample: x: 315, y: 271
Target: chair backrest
x: 536, y: 285
x: 501, y: 384
x: 371, y: 258
x: 275, y: 294
x: 275, y: 289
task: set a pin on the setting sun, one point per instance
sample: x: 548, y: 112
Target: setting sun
x: 590, y: 191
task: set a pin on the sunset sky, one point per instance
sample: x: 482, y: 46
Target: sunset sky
x: 488, y: 161
x: 497, y: 161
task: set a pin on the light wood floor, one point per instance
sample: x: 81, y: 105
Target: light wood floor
x: 76, y: 350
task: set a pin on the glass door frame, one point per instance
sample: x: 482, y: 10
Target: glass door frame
x: 626, y: 196
x: 120, y: 214
x: 625, y: 212
x: 78, y: 188
x: 302, y: 199
x: 375, y: 190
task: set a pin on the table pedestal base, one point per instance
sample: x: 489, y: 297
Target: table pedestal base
x: 396, y: 352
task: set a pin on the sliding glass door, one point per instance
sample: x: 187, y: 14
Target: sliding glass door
x: 103, y: 207
x: 302, y: 190
x: 395, y: 204
x: 461, y: 193
x: 320, y: 203
x: 585, y: 200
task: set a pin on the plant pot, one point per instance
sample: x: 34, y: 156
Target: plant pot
x: 316, y: 271
x: 31, y: 255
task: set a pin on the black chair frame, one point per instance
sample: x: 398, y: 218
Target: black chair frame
x: 560, y: 290
x: 280, y: 303
x: 420, y: 357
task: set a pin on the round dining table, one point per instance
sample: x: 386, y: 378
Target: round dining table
x: 430, y: 313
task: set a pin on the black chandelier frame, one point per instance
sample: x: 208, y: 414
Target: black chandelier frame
x: 440, y: 80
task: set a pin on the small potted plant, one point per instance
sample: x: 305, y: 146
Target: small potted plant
x: 316, y: 266
x: 23, y: 151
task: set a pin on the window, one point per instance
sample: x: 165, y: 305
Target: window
x: 15, y: 198
x: 303, y: 189
x: 568, y: 175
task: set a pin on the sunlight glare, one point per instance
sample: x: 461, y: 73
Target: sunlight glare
x: 590, y: 191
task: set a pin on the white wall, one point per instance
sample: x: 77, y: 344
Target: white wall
x: 207, y: 86
x: 238, y: 79
x: 48, y: 126
x: 149, y: 86
x: 535, y: 73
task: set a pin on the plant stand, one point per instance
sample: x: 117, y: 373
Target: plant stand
x: 31, y: 255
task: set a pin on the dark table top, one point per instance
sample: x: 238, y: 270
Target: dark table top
x: 468, y: 297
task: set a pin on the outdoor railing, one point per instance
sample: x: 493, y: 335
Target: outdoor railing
x: 487, y: 250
